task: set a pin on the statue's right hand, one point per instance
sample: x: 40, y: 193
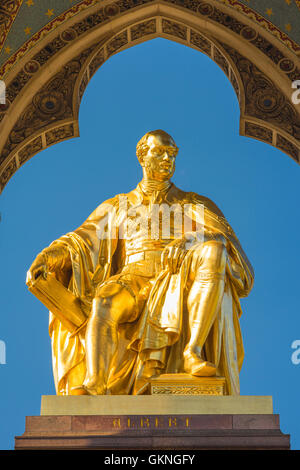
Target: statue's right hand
x: 37, y: 269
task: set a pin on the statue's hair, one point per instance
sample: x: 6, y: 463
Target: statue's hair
x: 142, y: 147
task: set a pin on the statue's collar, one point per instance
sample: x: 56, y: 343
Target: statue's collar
x: 148, y: 192
x: 141, y: 195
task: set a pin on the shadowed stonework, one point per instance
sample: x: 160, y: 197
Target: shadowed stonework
x: 170, y: 424
x: 259, y: 56
x: 42, y: 103
x: 22, y: 20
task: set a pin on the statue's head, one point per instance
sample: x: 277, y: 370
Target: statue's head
x: 156, y: 152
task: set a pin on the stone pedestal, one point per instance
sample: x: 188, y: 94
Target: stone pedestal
x: 157, y: 422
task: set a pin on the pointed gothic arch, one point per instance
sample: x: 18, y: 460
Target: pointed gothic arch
x: 45, y: 86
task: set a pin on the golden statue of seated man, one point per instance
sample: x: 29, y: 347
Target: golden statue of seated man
x: 158, y: 273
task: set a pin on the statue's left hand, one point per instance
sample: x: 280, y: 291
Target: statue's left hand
x: 173, y: 255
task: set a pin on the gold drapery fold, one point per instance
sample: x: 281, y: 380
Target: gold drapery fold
x: 155, y: 341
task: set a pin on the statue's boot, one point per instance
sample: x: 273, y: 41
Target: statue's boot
x: 195, y: 366
x: 203, y: 305
x: 204, y: 302
x: 80, y: 390
x: 85, y: 390
x: 101, y: 341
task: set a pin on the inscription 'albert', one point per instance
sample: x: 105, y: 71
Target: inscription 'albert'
x: 151, y: 422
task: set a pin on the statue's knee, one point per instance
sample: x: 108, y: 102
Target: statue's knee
x: 103, y: 304
x: 108, y: 290
x: 113, y: 303
x: 215, y: 255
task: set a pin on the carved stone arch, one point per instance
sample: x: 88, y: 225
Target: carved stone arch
x: 45, y: 87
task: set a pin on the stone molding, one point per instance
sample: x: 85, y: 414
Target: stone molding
x: 43, y: 98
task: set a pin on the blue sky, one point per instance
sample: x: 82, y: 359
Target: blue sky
x: 158, y: 84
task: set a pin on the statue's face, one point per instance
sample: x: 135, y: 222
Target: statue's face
x: 159, y: 162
